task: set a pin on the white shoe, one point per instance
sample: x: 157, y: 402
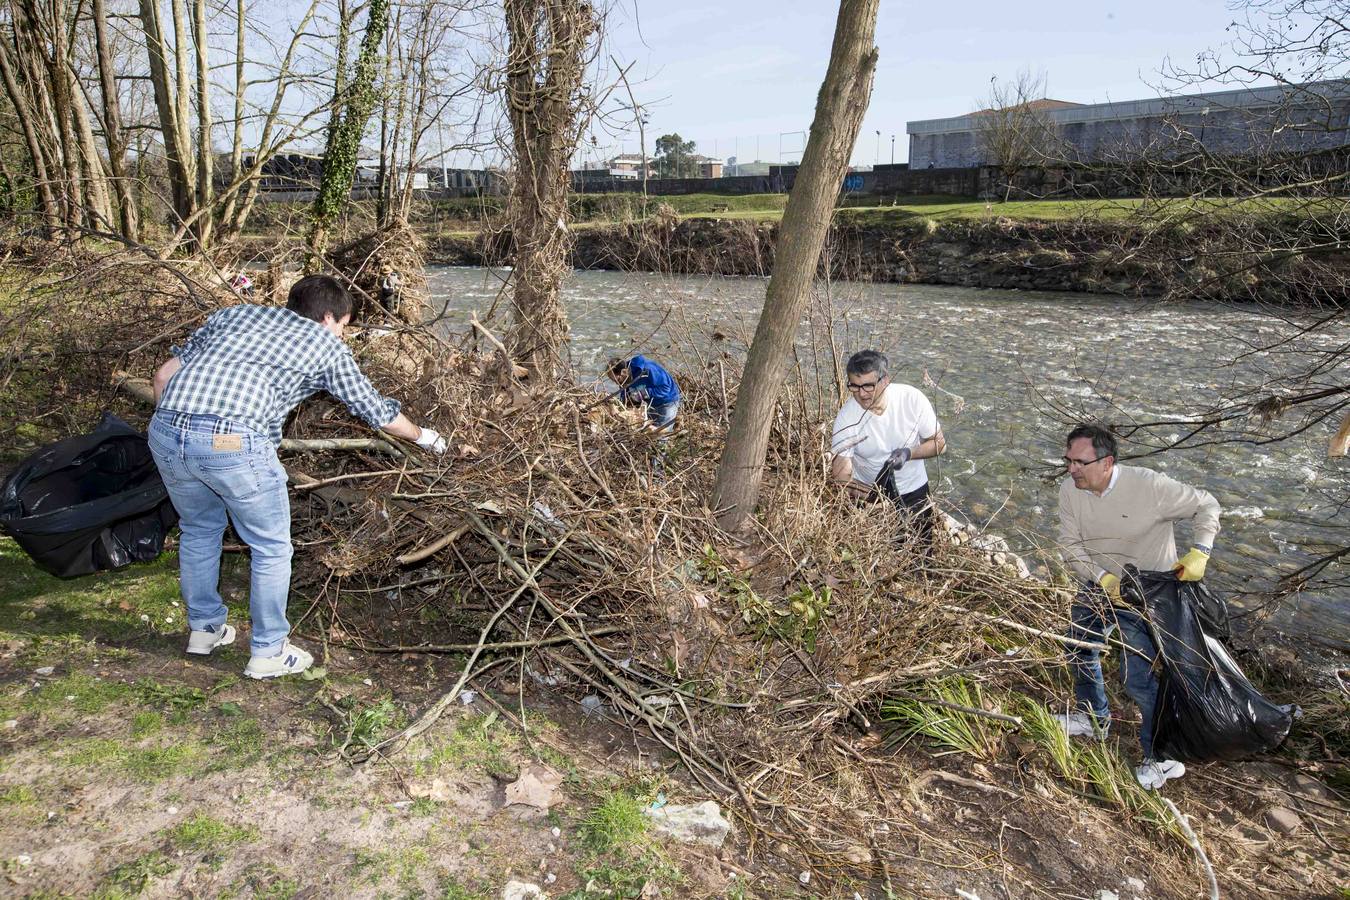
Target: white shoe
x: 201, y: 643
x: 1155, y: 772
x: 290, y: 661
x: 1080, y: 724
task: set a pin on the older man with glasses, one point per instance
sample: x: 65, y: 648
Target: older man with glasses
x: 881, y: 437
x: 1112, y: 516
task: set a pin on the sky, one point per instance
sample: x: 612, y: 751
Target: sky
x: 740, y: 78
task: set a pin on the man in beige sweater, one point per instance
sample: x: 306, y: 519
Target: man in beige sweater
x: 1111, y: 516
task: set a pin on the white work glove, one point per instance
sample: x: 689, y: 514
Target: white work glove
x: 429, y: 439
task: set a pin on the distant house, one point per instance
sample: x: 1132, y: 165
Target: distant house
x: 629, y: 165
x: 1282, y: 118
x: 708, y: 167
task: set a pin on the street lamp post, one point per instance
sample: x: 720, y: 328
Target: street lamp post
x: 892, y: 149
x: 877, y: 159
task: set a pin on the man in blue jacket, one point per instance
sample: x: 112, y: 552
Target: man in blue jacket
x: 641, y: 380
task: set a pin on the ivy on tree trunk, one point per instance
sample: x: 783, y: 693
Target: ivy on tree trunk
x: 354, y: 102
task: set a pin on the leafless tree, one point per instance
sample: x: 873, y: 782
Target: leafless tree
x: 840, y: 108
x: 1015, y: 133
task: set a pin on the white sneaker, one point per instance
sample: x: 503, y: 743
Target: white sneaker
x: 1155, y: 772
x: 289, y: 661
x: 1080, y: 724
x: 201, y: 643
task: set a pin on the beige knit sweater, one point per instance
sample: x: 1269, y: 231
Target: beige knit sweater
x: 1131, y: 522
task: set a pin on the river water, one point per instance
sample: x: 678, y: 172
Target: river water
x: 1009, y: 367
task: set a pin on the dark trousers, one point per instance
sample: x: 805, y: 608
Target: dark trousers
x: 918, y: 518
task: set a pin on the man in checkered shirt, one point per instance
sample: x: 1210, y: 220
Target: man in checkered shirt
x: 220, y: 403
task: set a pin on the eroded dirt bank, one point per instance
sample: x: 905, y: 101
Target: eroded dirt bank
x: 1091, y: 256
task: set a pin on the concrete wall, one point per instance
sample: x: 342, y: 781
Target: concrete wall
x: 736, y: 184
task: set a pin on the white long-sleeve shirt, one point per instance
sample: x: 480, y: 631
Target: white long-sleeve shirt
x: 1131, y: 522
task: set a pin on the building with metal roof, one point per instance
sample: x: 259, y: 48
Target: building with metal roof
x: 1280, y: 118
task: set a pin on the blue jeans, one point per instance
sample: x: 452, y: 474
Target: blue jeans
x: 660, y: 415
x: 1092, y: 617
x: 214, y: 468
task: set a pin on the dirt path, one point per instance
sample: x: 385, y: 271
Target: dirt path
x: 130, y: 769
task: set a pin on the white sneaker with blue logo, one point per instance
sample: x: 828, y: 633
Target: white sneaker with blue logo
x: 201, y: 643
x: 289, y: 661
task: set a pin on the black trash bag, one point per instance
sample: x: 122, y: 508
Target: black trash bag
x: 1207, y: 709
x: 88, y: 503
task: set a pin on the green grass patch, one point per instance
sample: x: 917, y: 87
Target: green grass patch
x: 206, y: 835
x: 264, y: 881
x: 454, y: 889
x: 135, y: 876
x: 628, y: 878
x: 1095, y: 768
x: 236, y: 744
x: 615, y: 823
x: 177, y: 698
x: 953, y: 730
x: 366, y: 724
x: 480, y: 742
x: 18, y: 795
x: 140, y: 763
x: 402, y: 865
x: 69, y: 696
x: 146, y: 722
x: 56, y: 616
x: 20, y: 805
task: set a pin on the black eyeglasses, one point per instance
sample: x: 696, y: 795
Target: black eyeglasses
x: 859, y: 388
x: 1069, y: 462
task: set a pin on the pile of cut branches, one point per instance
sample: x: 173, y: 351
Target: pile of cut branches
x: 560, y: 543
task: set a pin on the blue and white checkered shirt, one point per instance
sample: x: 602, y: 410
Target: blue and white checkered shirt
x: 252, y: 365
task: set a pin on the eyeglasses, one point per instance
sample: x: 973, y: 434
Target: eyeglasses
x: 864, y: 388
x: 1070, y: 462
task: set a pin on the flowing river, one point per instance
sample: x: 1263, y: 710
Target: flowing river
x: 1009, y: 368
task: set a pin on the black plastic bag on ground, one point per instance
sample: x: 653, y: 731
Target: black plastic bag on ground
x: 88, y: 503
x: 1207, y: 709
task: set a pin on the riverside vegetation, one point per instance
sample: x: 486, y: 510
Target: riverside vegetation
x: 867, y: 728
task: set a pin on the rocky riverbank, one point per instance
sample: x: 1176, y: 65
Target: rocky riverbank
x: 1085, y: 256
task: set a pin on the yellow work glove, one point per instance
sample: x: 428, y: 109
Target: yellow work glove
x: 1191, y: 567
x: 1111, y: 584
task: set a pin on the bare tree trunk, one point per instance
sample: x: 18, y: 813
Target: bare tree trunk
x: 31, y: 19
x: 205, y: 187
x: 98, y: 206
x: 227, y: 215
x: 173, y: 129
x: 546, y: 63
x: 128, y: 220
x: 393, y: 184
x: 840, y: 108
x: 28, y: 119
x: 420, y: 85
x: 240, y: 203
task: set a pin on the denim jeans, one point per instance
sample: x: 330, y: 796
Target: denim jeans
x: 1092, y: 617
x: 214, y: 469
x: 660, y: 415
